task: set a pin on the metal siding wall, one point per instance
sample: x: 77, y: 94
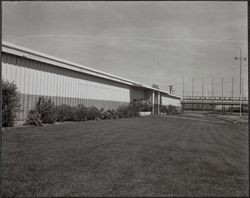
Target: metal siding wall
x: 25, y: 87
x: 29, y: 82
x: 8, y: 69
x: 3, y: 65
x: 56, y: 88
x: 170, y: 101
x: 67, y: 88
x: 13, y: 68
x: 49, y: 84
x: 38, y: 79
x: 19, y: 85
x: 136, y: 93
x: 71, y: 88
x: 35, y: 79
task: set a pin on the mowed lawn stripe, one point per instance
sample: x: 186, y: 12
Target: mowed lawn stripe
x: 151, y: 156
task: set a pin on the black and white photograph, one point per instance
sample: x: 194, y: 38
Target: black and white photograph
x: 124, y: 99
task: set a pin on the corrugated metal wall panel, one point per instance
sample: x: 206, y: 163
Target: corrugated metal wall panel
x: 4, y: 65
x: 13, y: 68
x: 136, y: 93
x: 170, y: 101
x: 41, y: 74
x: 8, y: 69
x: 49, y: 84
x: 56, y: 86
x: 34, y: 78
x: 45, y: 82
x: 67, y: 87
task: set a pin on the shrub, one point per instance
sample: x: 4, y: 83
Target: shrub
x: 113, y: 114
x: 34, y: 118
x: 172, y: 109
x: 10, y: 103
x: 143, y: 105
x: 164, y: 109
x: 79, y: 113
x: 104, y: 114
x: 122, y: 111
x: 46, y: 109
x: 65, y: 113
x: 131, y: 110
x: 93, y: 113
x: 48, y: 113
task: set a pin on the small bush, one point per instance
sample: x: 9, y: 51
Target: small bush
x: 65, y: 113
x: 93, y: 113
x: 172, y: 109
x: 104, y: 115
x: 164, y: 109
x: 132, y: 111
x: 46, y: 109
x: 10, y: 103
x: 80, y: 113
x: 48, y: 113
x: 142, y: 105
x: 122, y: 111
x: 113, y: 114
x: 34, y: 118
x: 129, y: 111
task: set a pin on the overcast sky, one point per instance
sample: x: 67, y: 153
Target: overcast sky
x: 149, y: 42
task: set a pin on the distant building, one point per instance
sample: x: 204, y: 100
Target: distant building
x: 155, y: 86
x: 37, y: 74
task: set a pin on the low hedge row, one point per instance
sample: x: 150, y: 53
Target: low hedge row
x: 169, y: 109
x: 47, y: 112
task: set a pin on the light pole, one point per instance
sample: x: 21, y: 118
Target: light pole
x: 192, y: 94
x: 183, y: 88
x: 170, y: 88
x: 212, y: 93
x: 202, y: 88
x: 232, y: 92
x: 222, y: 94
x: 240, y: 58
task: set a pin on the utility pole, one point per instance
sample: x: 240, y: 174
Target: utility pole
x: 170, y: 88
x: 232, y: 92
x: 192, y: 93
x: 242, y: 95
x: 182, y: 106
x: 212, y: 92
x: 183, y: 88
x: 222, y: 93
x: 193, y: 87
x: 240, y: 58
x: 212, y: 86
x: 202, y: 89
x: 242, y: 88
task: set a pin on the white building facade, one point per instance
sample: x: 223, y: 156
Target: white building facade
x: 36, y: 74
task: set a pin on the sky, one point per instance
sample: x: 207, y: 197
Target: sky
x: 148, y: 42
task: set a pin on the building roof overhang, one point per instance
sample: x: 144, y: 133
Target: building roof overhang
x: 42, y: 57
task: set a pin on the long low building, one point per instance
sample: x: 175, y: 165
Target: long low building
x: 37, y: 74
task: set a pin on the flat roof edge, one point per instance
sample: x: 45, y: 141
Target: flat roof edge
x: 10, y: 48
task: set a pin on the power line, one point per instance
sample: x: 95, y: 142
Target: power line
x: 208, y: 75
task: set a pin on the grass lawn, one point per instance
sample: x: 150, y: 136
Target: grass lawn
x: 151, y: 156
